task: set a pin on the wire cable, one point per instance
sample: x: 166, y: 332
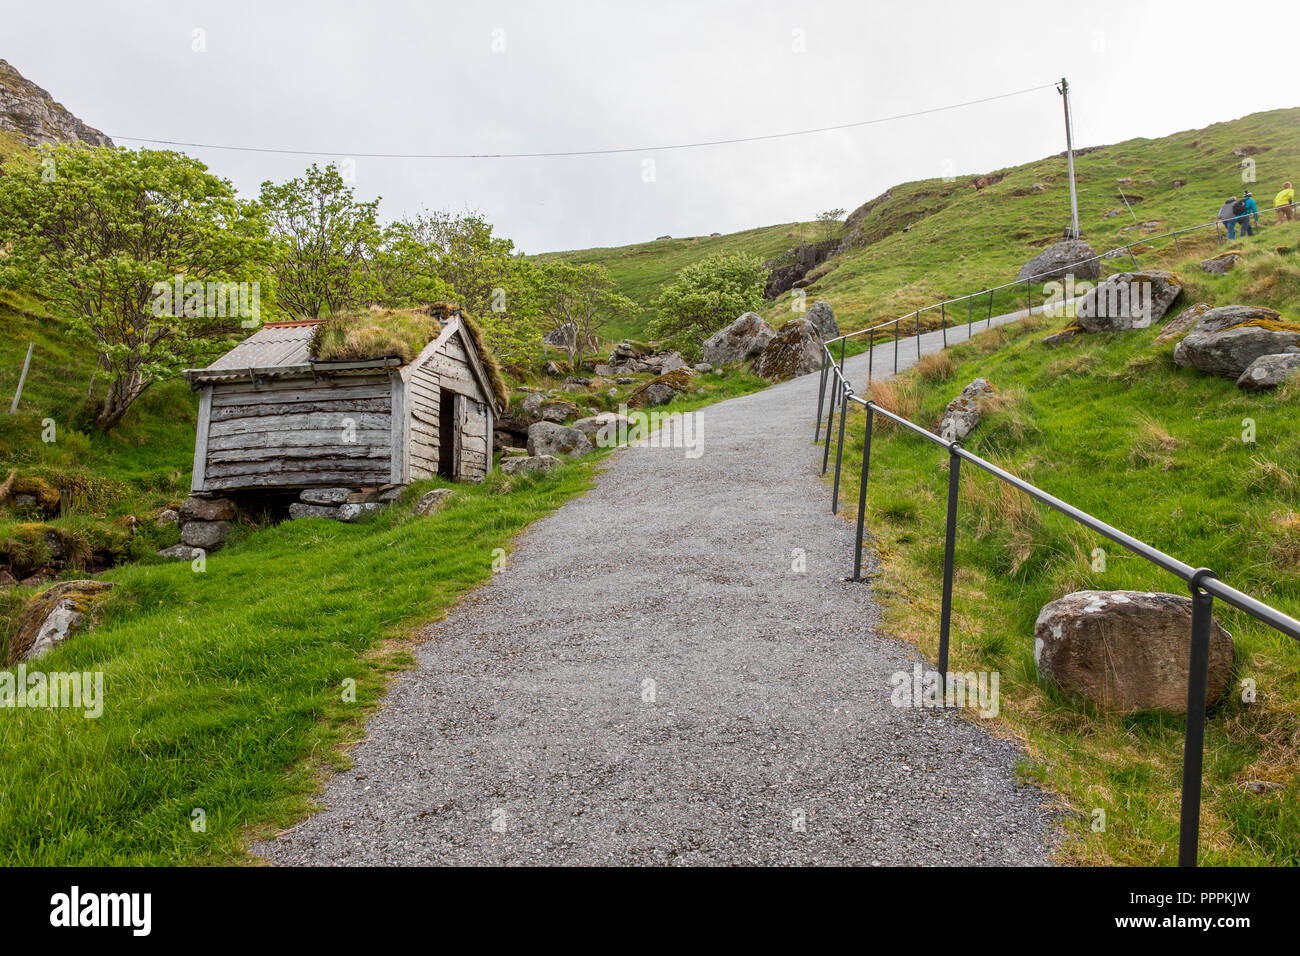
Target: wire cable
x: 588, y: 152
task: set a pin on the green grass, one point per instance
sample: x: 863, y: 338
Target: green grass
x: 224, y: 689
x: 926, y: 241
x: 1110, y: 424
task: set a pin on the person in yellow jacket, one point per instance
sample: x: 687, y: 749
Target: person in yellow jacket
x: 1284, y: 203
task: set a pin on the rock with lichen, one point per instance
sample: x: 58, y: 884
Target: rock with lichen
x: 796, y: 350
x: 1225, y: 341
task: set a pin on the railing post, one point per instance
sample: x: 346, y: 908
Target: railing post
x: 918, y: 335
x: 989, y: 324
x: 843, y: 344
x: 970, y: 317
x: 1198, y: 677
x: 830, y: 423
x: 949, y: 553
x: 1029, y: 294
x: 943, y: 321
x: 839, y: 453
x: 821, y: 393
x: 896, y: 346
x: 862, y: 493
x: 871, y: 353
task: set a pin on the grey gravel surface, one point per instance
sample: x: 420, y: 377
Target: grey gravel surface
x: 530, y: 731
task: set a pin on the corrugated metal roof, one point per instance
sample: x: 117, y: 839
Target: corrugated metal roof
x: 268, y: 348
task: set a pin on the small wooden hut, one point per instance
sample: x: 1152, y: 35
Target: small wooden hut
x: 393, y: 397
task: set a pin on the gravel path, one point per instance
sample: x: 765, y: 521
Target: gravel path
x: 650, y: 681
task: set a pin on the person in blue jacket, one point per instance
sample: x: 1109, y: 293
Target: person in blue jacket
x: 1252, y: 212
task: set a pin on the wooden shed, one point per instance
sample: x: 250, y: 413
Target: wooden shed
x: 274, y: 417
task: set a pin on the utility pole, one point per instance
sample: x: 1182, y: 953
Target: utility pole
x: 1064, y: 90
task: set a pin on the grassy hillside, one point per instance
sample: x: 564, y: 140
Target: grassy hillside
x: 925, y: 241
x: 1110, y: 424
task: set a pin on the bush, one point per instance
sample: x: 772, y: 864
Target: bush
x: 707, y: 295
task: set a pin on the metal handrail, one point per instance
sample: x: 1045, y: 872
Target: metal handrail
x: 1203, y: 584
x: 1051, y: 273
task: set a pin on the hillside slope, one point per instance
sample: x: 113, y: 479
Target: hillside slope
x: 922, y: 242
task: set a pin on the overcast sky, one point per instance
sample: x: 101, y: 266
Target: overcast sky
x: 422, y: 77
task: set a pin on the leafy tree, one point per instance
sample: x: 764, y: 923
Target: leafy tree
x: 455, y: 256
x: 580, y: 298
x: 324, y: 238
x: 105, y: 235
x: 706, y: 295
x: 830, y: 223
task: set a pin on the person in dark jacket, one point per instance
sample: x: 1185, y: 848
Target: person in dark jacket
x: 1228, y: 216
x: 1252, y: 213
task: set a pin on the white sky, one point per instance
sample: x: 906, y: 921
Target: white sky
x: 392, y: 76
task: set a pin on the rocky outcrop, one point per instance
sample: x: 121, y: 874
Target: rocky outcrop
x: 740, y: 341
x: 1225, y: 341
x: 1068, y: 257
x: 796, y: 350
x: 630, y: 357
x: 1128, y: 300
x: 963, y: 412
x: 556, y: 410
x: 1270, y: 371
x: 548, y: 438
x: 822, y: 316
x: 1126, y: 650
x: 603, y: 429
x: 32, y: 115
x: 51, y: 617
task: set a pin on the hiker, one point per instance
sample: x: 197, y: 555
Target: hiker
x: 1251, y: 210
x: 1284, y: 203
x: 1228, y: 216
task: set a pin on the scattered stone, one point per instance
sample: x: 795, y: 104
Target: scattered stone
x: 1125, y: 180
x: 626, y: 380
x: 1126, y: 650
x: 325, y: 496
x: 548, y: 438
x: 1111, y: 214
x: 555, y: 368
x: 1260, y: 786
x: 1269, y: 371
x: 181, y: 552
x: 208, y: 535
x: 208, y: 509
x: 356, y: 510
x: 1226, y: 340
x: 661, y: 390
x: 1063, y: 336
x: 531, y: 464
x: 796, y: 350
x: 531, y: 406
x: 556, y: 410
x: 167, y: 516
x: 1182, y: 323
x: 1250, y: 150
x: 7, y: 580
x: 743, y: 339
x: 963, y: 412
x: 1178, y: 183
x: 1068, y: 257
x: 1128, y: 300
x: 431, y: 502
x: 822, y: 316
x: 53, y: 616
x: 1220, y: 264
x: 300, y: 509
x: 703, y: 368
x: 1038, y: 188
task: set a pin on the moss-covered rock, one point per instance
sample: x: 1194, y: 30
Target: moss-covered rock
x: 51, y: 617
x: 796, y: 350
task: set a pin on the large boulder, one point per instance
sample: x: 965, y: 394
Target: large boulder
x: 963, y: 412
x: 51, y: 617
x: 822, y: 316
x: 548, y: 438
x: 556, y: 410
x: 1068, y: 257
x: 661, y: 390
x: 1225, y: 341
x: 1126, y: 650
x: 1270, y: 371
x: 740, y: 341
x: 1128, y: 300
x: 209, y: 535
x: 208, y: 509
x: 1182, y: 323
x: 796, y: 350
x: 529, y: 464
x: 603, y: 429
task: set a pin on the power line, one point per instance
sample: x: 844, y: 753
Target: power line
x: 588, y: 152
